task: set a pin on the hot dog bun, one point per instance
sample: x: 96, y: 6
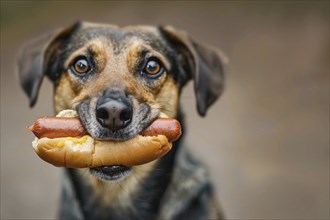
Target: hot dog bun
x: 86, y: 152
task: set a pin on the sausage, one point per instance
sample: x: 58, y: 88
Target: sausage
x: 169, y: 127
x: 56, y: 127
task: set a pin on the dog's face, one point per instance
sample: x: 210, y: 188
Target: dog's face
x: 120, y: 79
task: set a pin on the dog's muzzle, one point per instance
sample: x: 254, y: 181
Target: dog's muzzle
x: 117, y: 116
x: 113, y: 111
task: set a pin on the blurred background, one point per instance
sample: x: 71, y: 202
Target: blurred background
x: 266, y: 141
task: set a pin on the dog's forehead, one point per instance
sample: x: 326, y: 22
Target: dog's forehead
x: 118, y: 37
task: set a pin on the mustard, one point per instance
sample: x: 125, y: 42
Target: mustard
x: 81, y: 140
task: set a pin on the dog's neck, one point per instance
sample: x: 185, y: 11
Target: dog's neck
x: 140, y: 199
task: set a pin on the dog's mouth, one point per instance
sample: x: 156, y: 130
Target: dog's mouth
x: 142, y: 116
x: 111, y: 173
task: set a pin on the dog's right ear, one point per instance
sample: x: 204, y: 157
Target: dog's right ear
x: 35, y: 57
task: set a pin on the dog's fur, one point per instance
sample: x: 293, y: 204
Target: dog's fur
x: 118, y: 55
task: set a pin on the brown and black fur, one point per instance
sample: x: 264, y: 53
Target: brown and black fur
x: 118, y: 54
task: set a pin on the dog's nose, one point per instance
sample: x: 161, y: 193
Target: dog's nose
x: 114, y: 114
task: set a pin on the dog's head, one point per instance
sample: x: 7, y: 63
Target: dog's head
x: 120, y: 78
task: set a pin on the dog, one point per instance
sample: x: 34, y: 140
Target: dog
x: 119, y: 79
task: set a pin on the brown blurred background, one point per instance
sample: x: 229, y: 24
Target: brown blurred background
x: 267, y: 139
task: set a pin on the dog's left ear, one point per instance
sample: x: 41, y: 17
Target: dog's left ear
x: 37, y: 60
x: 202, y: 64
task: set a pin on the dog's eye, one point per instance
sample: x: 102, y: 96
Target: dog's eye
x: 153, y: 68
x: 81, y: 65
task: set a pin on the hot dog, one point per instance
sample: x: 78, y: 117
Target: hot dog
x: 64, y: 142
